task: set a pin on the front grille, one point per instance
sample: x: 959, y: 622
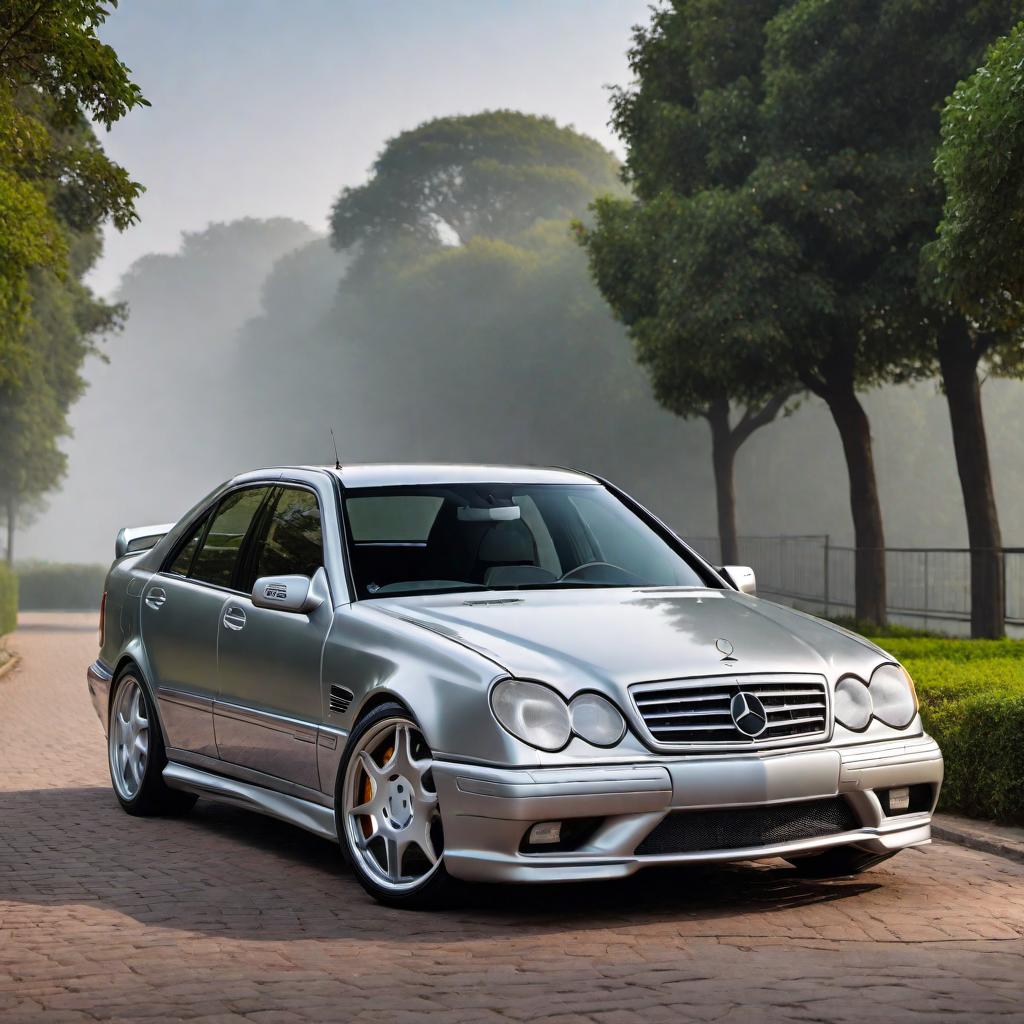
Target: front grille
x: 745, y: 827
x: 697, y: 711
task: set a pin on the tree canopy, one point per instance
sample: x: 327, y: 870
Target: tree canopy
x: 455, y: 178
x: 976, y: 259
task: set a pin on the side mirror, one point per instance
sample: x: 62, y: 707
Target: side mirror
x: 741, y: 577
x: 285, y: 594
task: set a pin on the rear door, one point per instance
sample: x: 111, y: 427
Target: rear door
x: 181, y: 610
x: 269, y: 702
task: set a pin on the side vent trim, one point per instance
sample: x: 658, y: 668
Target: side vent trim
x: 341, y: 699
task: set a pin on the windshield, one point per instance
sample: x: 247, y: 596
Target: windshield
x: 452, y: 537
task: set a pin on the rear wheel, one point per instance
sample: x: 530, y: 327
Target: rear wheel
x: 136, y: 754
x: 838, y: 862
x: 389, y: 821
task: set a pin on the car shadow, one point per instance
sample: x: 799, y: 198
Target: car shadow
x: 230, y: 872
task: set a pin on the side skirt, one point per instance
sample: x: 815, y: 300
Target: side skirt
x: 312, y: 817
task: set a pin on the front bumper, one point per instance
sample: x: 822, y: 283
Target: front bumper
x: 488, y: 811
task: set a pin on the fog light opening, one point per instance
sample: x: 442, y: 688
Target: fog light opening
x: 899, y: 799
x: 546, y: 832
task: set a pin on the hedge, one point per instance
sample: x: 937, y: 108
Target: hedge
x: 8, y: 600
x: 50, y: 586
x: 972, y: 702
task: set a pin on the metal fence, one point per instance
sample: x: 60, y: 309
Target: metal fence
x: 926, y: 587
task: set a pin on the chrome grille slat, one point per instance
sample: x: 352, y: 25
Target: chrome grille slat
x: 696, y: 712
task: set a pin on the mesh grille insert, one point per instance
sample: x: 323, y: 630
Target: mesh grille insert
x: 738, y: 828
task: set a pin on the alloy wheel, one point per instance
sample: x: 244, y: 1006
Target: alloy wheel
x: 391, y: 818
x: 129, y: 738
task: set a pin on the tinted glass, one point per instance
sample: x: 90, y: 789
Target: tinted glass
x: 406, y: 540
x: 183, y: 559
x: 216, y: 560
x: 294, y: 539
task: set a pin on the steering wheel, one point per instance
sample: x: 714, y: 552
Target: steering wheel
x: 580, y: 569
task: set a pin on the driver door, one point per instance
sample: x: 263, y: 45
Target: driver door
x: 269, y: 704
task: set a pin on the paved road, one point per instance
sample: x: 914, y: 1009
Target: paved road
x: 224, y: 915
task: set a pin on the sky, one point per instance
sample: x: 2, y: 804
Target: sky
x: 269, y: 107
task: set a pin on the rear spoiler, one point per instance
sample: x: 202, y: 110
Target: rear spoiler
x: 139, y: 538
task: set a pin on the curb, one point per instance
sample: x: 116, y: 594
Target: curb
x: 979, y: 838
x: 10, y: 665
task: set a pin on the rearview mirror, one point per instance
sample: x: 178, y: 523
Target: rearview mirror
x: 741, y: 577
x: 285, y: 593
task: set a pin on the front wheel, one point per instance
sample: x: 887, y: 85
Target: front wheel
x: 387, y: 813
x: 136, y: 754
x: 838, y: 862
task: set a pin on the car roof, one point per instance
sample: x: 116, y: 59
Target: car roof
x: 398, y: 474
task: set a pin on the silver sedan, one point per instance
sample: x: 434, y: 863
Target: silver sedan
x: 491, y: 673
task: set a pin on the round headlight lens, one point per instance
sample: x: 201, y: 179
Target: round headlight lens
x: 532, y: 713
x: 853, y: 704
x: 596, y: 720
x: 893, y: 696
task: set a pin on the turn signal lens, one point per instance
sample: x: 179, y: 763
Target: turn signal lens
x: 103, y: 619
x: 532, y: 713
x: 853, y: 704
x: 596, y: 720
x: 893, y: 696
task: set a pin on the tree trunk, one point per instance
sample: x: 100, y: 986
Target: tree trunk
x: 10, y: 533
x: 723, y: 459
x: 958, y: 361
x: 869, y: 568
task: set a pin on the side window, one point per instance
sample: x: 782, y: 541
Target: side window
x: 293, y: 544
x: 215, y: 562
x: 182, y: 561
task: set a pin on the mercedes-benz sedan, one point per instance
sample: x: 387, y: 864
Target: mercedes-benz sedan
x: 495, y: 673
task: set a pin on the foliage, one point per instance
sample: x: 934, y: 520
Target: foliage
x: 55, y: 73
x: 972, y: 702
x: 8, y: 600
x: 981, y: 165
x: 455, y: 178
x: 57, y: 187
x: 52, y: 586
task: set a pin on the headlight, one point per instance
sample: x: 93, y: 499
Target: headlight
x: 596, y: 720
x: 532, y: 713
x: 893, y: 696
x: 853, y: 704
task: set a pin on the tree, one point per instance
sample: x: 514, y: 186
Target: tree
x: 832, y: 165
x: 691, y: 126
x: 56, y: 189
x: 854, y: 110
x: 974, y: 268
x: 454, y: 178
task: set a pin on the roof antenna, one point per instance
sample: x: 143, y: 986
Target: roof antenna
x: 337, y: 459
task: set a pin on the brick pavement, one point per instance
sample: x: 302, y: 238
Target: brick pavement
x: 227, y: 916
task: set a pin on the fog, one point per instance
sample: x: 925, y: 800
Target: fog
x: 249, y: 337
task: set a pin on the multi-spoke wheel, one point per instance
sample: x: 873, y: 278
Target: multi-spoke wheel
x: 136, y: 753
x: 389, y: 821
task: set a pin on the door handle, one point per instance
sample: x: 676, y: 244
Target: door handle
x: 155, y: 597
x: 234, y: 617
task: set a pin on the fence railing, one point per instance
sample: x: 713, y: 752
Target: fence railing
x: 926, y: 587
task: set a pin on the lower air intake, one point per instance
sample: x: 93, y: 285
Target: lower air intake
x: 740, y: 828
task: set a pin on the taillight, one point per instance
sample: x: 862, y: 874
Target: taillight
x: 103, y: 617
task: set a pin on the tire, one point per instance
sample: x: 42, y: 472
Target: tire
x: 136, y: 755
x: 839, y: 862
x: 396, y: 846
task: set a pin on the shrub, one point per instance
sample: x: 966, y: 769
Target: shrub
x: 49, y: 586
x: 972, y: 702
x: 8, y: 600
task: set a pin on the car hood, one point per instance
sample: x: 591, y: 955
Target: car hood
x: 623, y: 636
